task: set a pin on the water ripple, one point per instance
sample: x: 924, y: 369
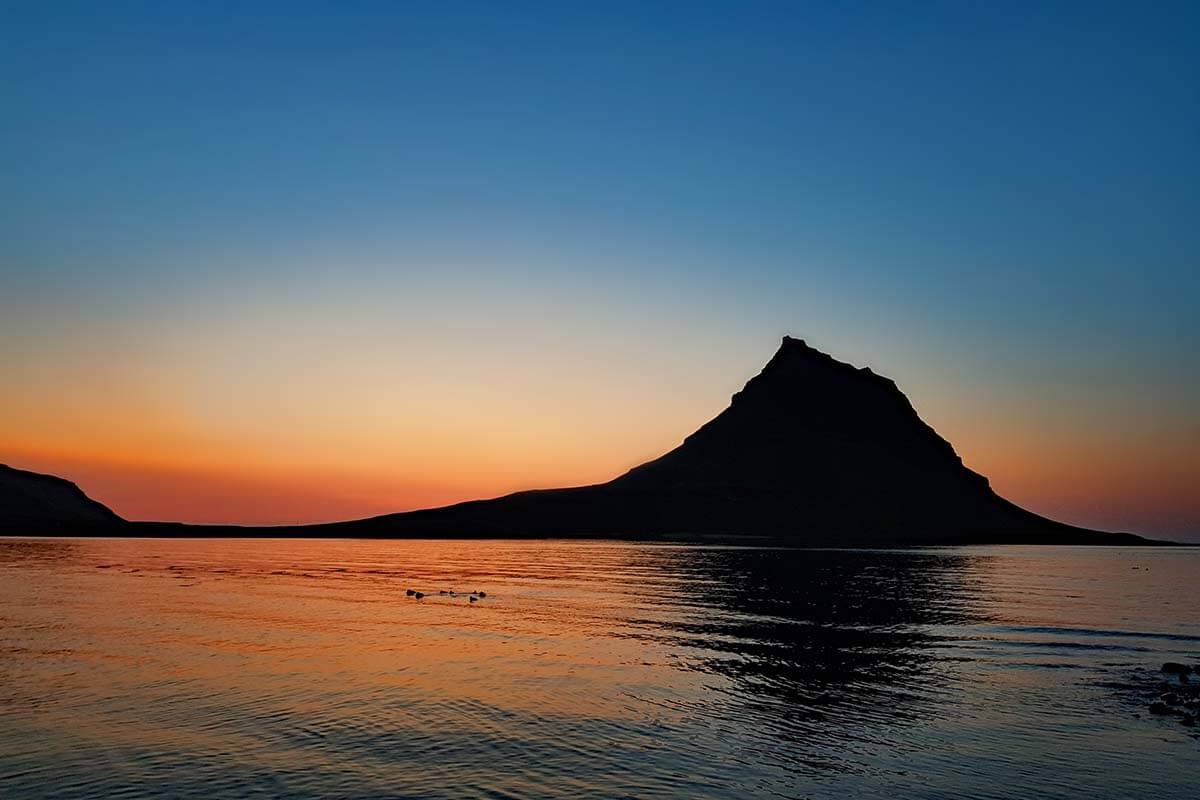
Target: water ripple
x: 156, y: 669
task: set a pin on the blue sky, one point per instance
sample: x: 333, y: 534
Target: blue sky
x: 994, y: 204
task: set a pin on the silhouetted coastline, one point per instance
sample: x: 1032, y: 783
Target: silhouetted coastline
x: 812, y: 452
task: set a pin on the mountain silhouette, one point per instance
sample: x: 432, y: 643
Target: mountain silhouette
x: 32, y: 503
x: 812, y: 452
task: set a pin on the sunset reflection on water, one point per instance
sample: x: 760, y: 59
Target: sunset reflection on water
x: 213, y: 668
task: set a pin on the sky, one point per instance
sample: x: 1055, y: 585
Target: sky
x: 311, y: 261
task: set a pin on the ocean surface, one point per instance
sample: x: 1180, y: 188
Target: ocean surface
x: 274, y: 668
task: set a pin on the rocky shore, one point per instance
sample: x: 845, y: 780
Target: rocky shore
x: 1173, y: 693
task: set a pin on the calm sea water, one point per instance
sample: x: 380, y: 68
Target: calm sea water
x: 229, y: 669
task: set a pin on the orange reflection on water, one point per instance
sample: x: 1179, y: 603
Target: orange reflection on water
x: 335, y: 613
x: 166, y: 668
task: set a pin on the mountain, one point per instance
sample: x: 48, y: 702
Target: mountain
x: 812, y: 451
x: 31, y: 503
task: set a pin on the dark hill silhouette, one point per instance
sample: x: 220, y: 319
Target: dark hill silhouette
x: 31, y: 503
x: 811, y: 452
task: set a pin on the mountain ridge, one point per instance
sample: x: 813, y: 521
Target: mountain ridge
x: 812, y: 451
x: 36, y: 503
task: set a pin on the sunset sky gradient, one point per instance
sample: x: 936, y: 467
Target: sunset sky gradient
x: 315, y: 261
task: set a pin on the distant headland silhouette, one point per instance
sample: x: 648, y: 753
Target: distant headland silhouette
x: 812, y: 452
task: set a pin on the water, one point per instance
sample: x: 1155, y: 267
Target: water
x: 229, y: 669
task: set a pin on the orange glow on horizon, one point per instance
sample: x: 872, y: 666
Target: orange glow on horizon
x: 1088, y: 486
x: 333, y: 435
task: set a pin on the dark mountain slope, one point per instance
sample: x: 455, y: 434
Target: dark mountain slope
x: 811, y: 452
x: 31, y: 503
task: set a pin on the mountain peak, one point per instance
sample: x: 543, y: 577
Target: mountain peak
x: 791, y: 347
x: 809, y: 381
x: 794, y: 351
